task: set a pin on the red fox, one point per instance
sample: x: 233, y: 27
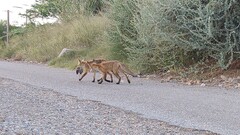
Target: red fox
x: 87, y: 67
x: 115, y: 67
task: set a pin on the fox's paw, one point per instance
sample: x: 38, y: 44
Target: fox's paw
x: 107, y: 80
x: 100, y: 81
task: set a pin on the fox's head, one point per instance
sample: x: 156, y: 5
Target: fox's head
x: 79, y: 70
x: 79, y: 66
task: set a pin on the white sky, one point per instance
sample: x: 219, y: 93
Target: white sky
x: 15, y: 7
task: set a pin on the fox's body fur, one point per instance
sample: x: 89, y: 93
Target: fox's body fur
x: 114, y: 67
x: 87, y: 67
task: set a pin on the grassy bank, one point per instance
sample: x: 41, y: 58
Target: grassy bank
x: 86, y: 35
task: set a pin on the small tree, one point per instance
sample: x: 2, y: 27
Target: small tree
x: 2, y: 28
x: 64, y: 10
x: 2, y: 32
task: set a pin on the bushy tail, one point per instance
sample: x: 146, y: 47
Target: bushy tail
x: 126, y: 69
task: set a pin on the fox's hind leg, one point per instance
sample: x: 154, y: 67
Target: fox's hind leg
x: 125, y: 75
x: 127, y: 78
x: 118, y: 76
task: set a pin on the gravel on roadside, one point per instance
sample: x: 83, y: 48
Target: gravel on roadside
x: 26, y: 109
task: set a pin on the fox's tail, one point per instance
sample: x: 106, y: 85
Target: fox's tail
x: 126, y: 69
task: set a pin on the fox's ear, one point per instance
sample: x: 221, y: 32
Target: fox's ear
x: 79, y: 61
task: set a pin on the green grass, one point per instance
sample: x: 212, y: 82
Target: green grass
x: 69, y: 60
x: 85, y: 35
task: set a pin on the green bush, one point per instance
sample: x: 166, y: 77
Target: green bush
x: 122, y: 31
x: 168, y: 33
x: 93, y: 6
x: 209, y: 27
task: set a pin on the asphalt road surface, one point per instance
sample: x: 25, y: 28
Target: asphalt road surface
x: 208, y: 108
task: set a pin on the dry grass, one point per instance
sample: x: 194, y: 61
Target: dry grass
x: 44, y: 43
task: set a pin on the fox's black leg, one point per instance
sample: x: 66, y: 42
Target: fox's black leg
x: 118, y: 76
x: 110, y: 77
x: 94, y: 76
x: 83, y: 76
x: 119, y: 81
x: 100, y: 81
x: 105, y: 77
x: 107, y: 80
x: 126, y: 77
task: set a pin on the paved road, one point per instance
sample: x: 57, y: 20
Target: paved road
x: 208, y: 108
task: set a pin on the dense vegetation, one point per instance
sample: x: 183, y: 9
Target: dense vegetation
x: 149, y: 35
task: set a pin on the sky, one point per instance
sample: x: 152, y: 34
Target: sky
x: 16, y: 7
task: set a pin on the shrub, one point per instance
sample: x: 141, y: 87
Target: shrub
x: 163, y: 34
x: 122, y: 31
x: 210, y: 27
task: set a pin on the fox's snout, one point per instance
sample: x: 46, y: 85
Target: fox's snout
x: 79, y: 70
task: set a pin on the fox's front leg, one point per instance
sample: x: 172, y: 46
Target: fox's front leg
x: 105, y: 77
x: 94, y: 75
x: 85, y: 73
x: 102, y: 78
x: 100, y: 81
